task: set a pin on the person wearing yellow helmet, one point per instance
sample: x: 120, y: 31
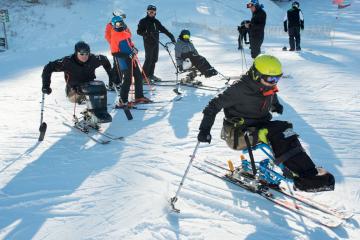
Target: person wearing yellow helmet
x: 249, y: 104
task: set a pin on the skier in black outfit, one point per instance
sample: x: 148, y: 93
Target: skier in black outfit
x: 293, y: 22
x: 249, y: 103
x: 256, y: 27
x: 243, y: 33
x: 149, y: 28
x: 79, y: 72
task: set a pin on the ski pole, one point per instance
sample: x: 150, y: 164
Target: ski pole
x: 225, y: 77
x: 176, y: 90
x: 174, y: 199
x: 43, y: 125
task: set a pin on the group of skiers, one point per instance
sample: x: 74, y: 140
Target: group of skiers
x: 254, y: 28
x: 247, y: 103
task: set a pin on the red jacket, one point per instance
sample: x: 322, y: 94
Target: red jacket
x: 120, y: 42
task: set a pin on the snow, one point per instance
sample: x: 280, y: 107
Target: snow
x: 68, y: 187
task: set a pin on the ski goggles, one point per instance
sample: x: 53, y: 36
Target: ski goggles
x: 83, y: 53
x: 272, y: 79
x: 186, y: 36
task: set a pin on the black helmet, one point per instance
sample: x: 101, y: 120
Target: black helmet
x: 183, y: 33
x: 82, y: 46
x: 295, y: 4
x: 151, y: 7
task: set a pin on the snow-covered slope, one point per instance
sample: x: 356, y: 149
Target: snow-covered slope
x: 68, y: 187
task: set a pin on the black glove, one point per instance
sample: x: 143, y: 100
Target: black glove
x: 180, y: 67
x: 46, y: 89
x: 278, y: 108
x: 204, y: 136
x: 285, y: 30
x: 173, y: 39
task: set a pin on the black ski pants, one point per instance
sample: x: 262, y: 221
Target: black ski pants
x: 133, y: 70
x: 288, y: 150
x: 151, y: 57
x: 256, y: 41
x: 199, y: 62
x: 294, y: 38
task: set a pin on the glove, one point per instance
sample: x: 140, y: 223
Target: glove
x: 173, y: 39
x: 204, y: 136
x: 180, y: 67
x: 46, y: 89
x: 278, y: 108
x: 285, y: 30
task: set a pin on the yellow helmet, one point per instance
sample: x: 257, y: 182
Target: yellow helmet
x: 267, y: 65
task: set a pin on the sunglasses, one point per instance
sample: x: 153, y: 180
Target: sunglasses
x: 272, y: 79
x: 83, y: 53
x: 151, y: 11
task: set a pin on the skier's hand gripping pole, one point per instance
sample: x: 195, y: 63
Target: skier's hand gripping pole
x: 175, y: 198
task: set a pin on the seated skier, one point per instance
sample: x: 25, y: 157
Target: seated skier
x: 247, y: 104
x: 79, y: 70
x: 184, y: 49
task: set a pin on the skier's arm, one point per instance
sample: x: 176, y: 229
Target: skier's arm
x: 301, y: 20
x: 258, y: 22
x: 104, y: 61
x: 141, y: 30
x: 178, y: 52
x: 223, y: 100
x: 55, y: 66
x: 162, y: 29
x: 285, y: 22
x: 276, y: 105
x: 108, y: 33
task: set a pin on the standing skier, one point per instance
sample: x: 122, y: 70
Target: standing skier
x: 248, y: 103
x: 243, y: 31
x: 293, y: 22
x: 79, y: 71
x: 256, y: 27
x: 116, y: 75
x: 125, y: 54
x: 149, y: 28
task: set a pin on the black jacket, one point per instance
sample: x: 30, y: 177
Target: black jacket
x: 293, y: 18
x: 149, y: 28
x: 257, y: 23
x: 75, y: 72
x: 243, y: 99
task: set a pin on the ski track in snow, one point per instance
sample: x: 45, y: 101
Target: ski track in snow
x: 68, y: 187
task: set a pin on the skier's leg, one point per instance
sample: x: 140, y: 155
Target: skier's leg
x: 297, y: 38
x: 289, y: 152
x: 291, y: 38
x: 125, y: 88
x: 154, y: 59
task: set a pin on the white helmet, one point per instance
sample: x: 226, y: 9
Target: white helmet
x: 119, y: 13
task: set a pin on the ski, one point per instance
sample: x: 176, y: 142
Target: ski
x: 107, y: 135
x: 267, y: 193
x: 86, y: 132
x: 306, y: 200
